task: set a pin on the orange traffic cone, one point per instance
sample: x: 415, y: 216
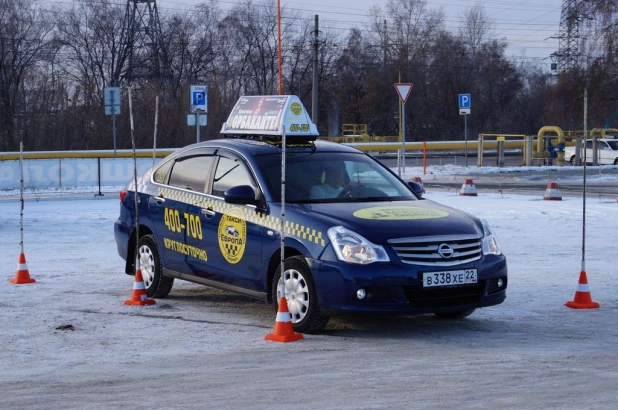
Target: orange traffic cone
x: 582, y: 298
x: 22, y: 276
x: 283, y: 332
x: 552, y: 193
x: 139, y: 296
x: 468, y: 188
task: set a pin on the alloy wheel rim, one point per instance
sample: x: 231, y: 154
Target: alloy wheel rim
x: 296, y: 292
x: 147, y: 265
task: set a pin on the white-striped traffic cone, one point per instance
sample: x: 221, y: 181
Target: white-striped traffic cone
x: 552, y: 193
x: 138, y: 295
x: 468, y: 188
x: 284, y: 331
x: 22, y: 276
x: 582, y: 299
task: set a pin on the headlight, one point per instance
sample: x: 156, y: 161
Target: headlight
x: 491, y: 244
x: 353, y: 248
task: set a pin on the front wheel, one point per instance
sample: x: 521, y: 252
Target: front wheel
x: 299, y: 290
x: 616, y: 161
x: 572, y: 160
x: 157, y: 285
x: 458, y: 314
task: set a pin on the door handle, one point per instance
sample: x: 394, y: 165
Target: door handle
x: 209, y: 213
x: 159, y: 199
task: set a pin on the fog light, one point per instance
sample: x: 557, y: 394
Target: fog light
x: 500, y: 283
x: 361, y: 294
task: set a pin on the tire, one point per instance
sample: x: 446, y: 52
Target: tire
x: 301, y: 296
x: 157, y: 285
x: 616, y: 161
x: 458, y: 314
x: 572, y: 160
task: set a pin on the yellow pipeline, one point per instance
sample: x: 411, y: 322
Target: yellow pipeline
x: 550, y: 128
x: 603, y: 131
x: 83, y: 154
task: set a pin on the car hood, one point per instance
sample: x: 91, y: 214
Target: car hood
x: 381, y: 221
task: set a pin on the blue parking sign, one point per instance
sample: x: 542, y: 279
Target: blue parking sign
x: 464, y: 100
x: 198, y: 97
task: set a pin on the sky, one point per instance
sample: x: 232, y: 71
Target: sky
x: 202, y: 348
x: 528, y: 25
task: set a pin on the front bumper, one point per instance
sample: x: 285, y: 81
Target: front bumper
x: 396, y: 288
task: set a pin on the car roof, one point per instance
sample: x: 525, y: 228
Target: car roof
x: 254, y: 147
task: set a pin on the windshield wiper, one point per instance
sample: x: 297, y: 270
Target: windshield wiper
x: 369, y: 199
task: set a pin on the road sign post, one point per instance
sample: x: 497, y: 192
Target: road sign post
x: 198, y: 95
x: 403, y: 89
x: 464, y: 109
x: 111, y: 97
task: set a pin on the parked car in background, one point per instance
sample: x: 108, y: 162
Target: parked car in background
x: 607, y: 152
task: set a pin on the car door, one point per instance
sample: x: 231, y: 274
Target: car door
x: 605, y: 153
x: 234, y: 234
x: 176, y: 212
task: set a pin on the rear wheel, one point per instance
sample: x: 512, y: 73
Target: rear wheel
x: 157, y: 285
x: 616, y: 161
x: 458, y: 314
x: 299, y: 290
x: 572, y: 160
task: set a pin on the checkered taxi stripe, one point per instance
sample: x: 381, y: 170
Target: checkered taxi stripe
x: 258, y: 218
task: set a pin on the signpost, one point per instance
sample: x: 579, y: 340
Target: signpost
x: 198, y: 99
x: 464, y: 109
x: 112, y: 98
x: 403, y: 89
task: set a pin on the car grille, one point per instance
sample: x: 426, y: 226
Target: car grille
x: 444, y: 297
x: 424, y: 250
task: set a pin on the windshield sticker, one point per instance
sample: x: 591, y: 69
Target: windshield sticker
x: 232, y: 235
x: 397, y: 213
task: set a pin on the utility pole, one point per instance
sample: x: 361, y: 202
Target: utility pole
x: 314, y: 100
x: 147, y: 56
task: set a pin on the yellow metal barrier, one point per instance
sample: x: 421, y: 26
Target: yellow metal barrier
x: 84, y: 154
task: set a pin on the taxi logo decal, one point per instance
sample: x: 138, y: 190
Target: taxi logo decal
x: 398, y: 213
x: 296, y: 108
x: 232, y: 234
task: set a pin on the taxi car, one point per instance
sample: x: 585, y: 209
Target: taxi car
x: 211, y: 213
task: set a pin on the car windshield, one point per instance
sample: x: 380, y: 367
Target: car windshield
x: 335, y: 177
x: 613, y: 144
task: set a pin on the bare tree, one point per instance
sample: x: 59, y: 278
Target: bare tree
x: 25, y: 34
x: 93, y: 37
x: 476, y: 27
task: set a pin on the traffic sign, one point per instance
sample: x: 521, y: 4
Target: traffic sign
x: 112, y: 99
x: 191, y: 121
x: 403, y: 89
x: 464, y: 101
x: 198, y: 96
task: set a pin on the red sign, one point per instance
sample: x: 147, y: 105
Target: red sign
x: 403, y: 89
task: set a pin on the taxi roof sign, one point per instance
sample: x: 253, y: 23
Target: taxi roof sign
x: 267, y: 115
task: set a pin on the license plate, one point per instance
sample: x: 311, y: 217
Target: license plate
x: 450, y: 278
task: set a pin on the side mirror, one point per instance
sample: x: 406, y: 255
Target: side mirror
x: 418, y: 189
x: 240, y: 195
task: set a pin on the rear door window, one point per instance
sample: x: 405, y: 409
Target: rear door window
x: 191, y: 172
